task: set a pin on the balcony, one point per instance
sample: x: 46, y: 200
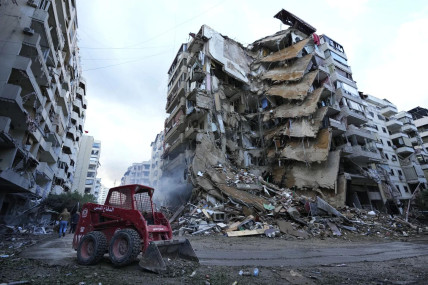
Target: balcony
x: 61, y: 175
x: 74, y: 118
x: 329, y: 60
x: 64, y: 158
x: 388, y: 111
x: 175, y: 145
x: 333, y: 109
x: 362, y: 154
x: 68, y: 146
x: 398, y: 135
x: 80, y: 91
x: 11, y: 105
x: 415, y: 141
x: 57, y: 189
x: 47, y: 120
x: 45, y: 169
x: 77, y: 106
x: 393, y: 124
x: 408, y: 128
x: 178, y: 108
x: 172, y: 165
x: 31, y: 49
x: 175, y: 96
x: 173, y: 133
x: 337, y: 127
x: 404, y: 150
x: 414, y: 174
x: 71, y: 132
x: 47, y: 154
x: 359, y: 133
x: 190, y: 133
x: 14, y: 180
x: 354, y: 117
x: 63, y: 100
x: 59, y: 117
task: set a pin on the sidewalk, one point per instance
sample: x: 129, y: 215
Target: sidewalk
x: 54, y: 251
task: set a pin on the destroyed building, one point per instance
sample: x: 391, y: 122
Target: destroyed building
x: 42, y: 100
x: 285, y: 109
x: 420, y: 118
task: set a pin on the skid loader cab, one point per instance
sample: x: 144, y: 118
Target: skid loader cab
x: 133, y: 197
x: 124, y: 226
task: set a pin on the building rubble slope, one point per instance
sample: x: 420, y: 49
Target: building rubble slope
x: 267, y: 165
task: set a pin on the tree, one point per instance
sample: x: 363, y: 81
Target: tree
x: 68, y: 200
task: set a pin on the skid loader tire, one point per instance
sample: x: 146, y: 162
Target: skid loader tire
x: 124, y: 247
x: 91, y: 248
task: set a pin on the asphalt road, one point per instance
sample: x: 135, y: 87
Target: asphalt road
x: 313, y: 257
x: 58, y: 251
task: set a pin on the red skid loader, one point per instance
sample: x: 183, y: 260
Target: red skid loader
x: 124, y: 226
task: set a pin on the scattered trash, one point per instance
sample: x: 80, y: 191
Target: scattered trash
x: 193, y: 274
x: 256, y: 272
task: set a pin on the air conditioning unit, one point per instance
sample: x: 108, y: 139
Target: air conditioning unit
x: 28, y: 31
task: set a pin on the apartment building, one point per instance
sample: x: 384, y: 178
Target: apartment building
x: 88, y: 161
x: 43, y: 100
x: 155, y: 168
x: 102, y: 195
x: 137, y: 173
x: 420, y: 119
x: 398, y: 141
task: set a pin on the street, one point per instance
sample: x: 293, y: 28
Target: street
x: 280, y: 261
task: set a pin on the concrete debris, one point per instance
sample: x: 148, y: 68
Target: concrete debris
x: 282, y: 214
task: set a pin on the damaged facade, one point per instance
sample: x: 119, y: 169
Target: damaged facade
x: 42, y: 100
x: 285, y: 109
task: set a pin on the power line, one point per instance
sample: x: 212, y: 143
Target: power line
x: 162, y: 33
x: 125, y: 62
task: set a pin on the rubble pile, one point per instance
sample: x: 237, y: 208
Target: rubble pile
x: 284, y: 213
x: 15, y: 238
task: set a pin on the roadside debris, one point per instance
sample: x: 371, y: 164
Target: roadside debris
x: 267, y: 210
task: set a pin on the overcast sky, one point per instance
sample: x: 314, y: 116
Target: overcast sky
x: 127, y: 47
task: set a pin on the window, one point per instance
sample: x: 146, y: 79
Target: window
x: 89, y: 182
x: 380, y: 117
x: 386, y: 155
x: 397, y: 186
x: 399, y: 172
x: 406, y: 189
x: 347, y: 88
x: 389, y: 143
x: 371, y: 114
x: 383, y: 130
x: 392, y: 172
x: 91, y: 174
x: 394, y: 158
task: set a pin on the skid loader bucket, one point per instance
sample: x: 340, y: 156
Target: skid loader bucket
x: 153, y: 258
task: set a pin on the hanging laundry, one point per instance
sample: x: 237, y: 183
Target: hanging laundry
x: 316, y: 39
